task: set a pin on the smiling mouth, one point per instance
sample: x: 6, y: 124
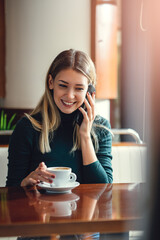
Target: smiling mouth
x: 68, y: 103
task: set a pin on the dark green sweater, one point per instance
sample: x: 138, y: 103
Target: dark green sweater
x: 25, y: 156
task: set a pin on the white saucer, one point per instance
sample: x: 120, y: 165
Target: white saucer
x: 67, y: 197
x: 55, y: 189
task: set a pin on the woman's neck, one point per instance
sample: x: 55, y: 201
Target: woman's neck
x: 67, y: 117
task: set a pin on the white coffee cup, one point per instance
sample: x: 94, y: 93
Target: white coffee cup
x: 61, y: 209
x: 63, y: 176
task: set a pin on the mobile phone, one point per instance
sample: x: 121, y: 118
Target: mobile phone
x: 79, y: 115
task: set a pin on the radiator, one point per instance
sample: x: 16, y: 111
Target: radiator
x: 129, y: 158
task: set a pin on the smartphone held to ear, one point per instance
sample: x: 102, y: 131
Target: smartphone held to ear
x: 79, y: 115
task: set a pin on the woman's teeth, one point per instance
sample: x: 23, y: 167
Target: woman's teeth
x: 67, y: 103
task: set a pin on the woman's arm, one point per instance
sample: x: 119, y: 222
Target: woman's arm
x: 20, y: 149
x: 20, y: 157
x: 88, y: 153
x: 97, y: 167
x: 101, y: 170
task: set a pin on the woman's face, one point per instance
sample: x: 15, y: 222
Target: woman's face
x: 70, y: 88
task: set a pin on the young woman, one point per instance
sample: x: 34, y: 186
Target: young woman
x: 50, y: 135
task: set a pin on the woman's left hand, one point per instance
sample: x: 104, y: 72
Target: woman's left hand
x: 88, y: 115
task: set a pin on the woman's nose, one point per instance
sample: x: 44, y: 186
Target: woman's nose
x: 70, y: 94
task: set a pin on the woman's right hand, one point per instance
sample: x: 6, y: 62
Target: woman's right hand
x: 40, y: 174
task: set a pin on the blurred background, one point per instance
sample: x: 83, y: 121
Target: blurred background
x: 122, y: 37
x: 34, y: 32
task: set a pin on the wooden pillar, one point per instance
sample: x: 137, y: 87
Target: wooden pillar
x: 2, y: 49
x: 104, y: 47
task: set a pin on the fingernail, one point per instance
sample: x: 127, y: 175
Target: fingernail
x: 53, y: 176
x: 50, y: 181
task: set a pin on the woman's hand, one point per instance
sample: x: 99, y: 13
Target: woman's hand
x: 88, y: 152
x: 88, y: 116
x: 40, y: 174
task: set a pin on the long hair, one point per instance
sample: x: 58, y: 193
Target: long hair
x: 80, y: 62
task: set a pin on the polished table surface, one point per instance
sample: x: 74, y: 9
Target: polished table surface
x: 105, y: 208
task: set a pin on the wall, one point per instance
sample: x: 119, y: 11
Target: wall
x: 36, y: 31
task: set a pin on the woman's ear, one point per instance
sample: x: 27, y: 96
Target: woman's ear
x: 50, y: 82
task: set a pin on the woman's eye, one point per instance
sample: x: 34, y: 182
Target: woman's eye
x: 62, y: 85
x: 79, y: 89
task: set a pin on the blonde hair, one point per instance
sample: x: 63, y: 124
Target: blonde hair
x: 78, y: 61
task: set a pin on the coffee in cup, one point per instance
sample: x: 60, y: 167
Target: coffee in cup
x: 63, y: 176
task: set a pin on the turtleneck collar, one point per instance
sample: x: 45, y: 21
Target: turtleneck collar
x: 67, y: 117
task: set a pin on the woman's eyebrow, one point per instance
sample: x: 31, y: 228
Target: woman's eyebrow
x: 81, y: 85
x: 63, y: 81
x: 78, y: 84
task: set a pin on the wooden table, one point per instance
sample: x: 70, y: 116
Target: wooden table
x: 105, y: 208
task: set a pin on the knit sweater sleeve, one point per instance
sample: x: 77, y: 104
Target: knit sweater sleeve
x: 20, y: 149
x: 101, y: 170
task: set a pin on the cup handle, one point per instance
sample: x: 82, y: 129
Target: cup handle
x: 73, y: 206
x: 73, y: 177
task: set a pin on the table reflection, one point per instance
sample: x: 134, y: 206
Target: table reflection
x: 101, y: 208
x: 49, y: 206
